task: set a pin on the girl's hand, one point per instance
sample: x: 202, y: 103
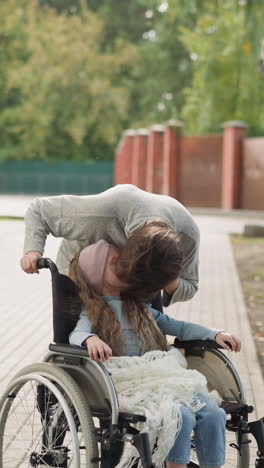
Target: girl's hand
x: 98, y: 350
x: 223, y: 338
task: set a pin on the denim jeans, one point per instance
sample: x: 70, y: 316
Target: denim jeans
x: 208, y: 425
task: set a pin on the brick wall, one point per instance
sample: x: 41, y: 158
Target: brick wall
x: 222, y: 171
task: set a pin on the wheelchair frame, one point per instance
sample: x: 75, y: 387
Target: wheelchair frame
x: 117, y: 427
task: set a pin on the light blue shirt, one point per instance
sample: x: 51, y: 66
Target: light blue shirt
x: 169, y: 326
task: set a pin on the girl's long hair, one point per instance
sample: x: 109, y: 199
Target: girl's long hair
x: 107, y: 326
x: 150, y: 259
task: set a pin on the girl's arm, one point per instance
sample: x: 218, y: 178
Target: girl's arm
x: 82, y: 331
x: 186, y: 331
x: 82, y: 336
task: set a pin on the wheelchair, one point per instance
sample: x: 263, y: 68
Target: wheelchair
x: 64, y: 412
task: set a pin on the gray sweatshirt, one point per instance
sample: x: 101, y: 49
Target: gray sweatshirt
x: 112, y: 215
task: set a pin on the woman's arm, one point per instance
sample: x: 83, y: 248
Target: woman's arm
x: 42, y: 218
x: 184, y: 288
x: 64, y: 216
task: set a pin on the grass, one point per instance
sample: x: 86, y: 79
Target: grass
x: 249, y: 256
x: 257, y: 275
x: 11, y: 218
x: 237, y: 239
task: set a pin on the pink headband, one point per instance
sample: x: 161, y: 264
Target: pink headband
x: 92, y: 262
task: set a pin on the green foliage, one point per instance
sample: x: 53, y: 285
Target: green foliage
x: 165, y: 66
x: 121, y: 19
x: 69, y: 6
x: 75, y: 73
x: 226, y: 85
x: 71, y: 100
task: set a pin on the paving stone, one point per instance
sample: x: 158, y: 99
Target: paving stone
x: 26, y: 309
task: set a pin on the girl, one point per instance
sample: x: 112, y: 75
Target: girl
x: 116, y: 320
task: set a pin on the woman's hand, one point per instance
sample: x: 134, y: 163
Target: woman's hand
x: 28, y: 262
x: 223, y: 338
x: 98, y: 350
x: 172, y: 286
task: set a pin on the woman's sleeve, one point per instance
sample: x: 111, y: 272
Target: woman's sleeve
x: 185, y: 331
x: 82, y: 331
x: 62, y: 216
x: 43, y: 217
x: 189, y: 278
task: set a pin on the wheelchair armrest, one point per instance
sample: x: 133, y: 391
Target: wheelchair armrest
x: 196, y: 347
x: 208, y: 344
x: 68, y: 349
x: 191, y: 347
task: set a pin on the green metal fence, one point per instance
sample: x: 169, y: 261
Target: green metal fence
x: 40, y: 177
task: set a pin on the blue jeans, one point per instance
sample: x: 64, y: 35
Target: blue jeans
x: 208, y: 425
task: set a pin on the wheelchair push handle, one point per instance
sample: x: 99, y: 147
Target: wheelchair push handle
x: 47, y: 263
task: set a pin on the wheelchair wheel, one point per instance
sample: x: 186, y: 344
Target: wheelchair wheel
x: 45, y: 421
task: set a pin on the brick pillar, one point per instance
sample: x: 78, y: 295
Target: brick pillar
x: 139, y: 158
x: 118, y: 162
x: 234, y: 132
x: 123, y: 159
x: 171, y: 159
x: 155, y: 159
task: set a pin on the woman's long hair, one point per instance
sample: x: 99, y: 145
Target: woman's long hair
x: 151, y: 258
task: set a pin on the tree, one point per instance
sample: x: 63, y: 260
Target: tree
x: 70, y: 100
x: 62, y: 6
x: 75, y: 73
x: 12, y: 46
x: 165, y: 66
x: 226, y: 83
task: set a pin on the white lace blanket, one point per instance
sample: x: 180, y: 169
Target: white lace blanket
x: 156, y: 385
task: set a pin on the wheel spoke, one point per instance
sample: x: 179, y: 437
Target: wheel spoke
x: 25, y: 433
x: 40, y: 418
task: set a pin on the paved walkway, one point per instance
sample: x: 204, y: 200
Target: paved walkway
x: 25, y: 310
